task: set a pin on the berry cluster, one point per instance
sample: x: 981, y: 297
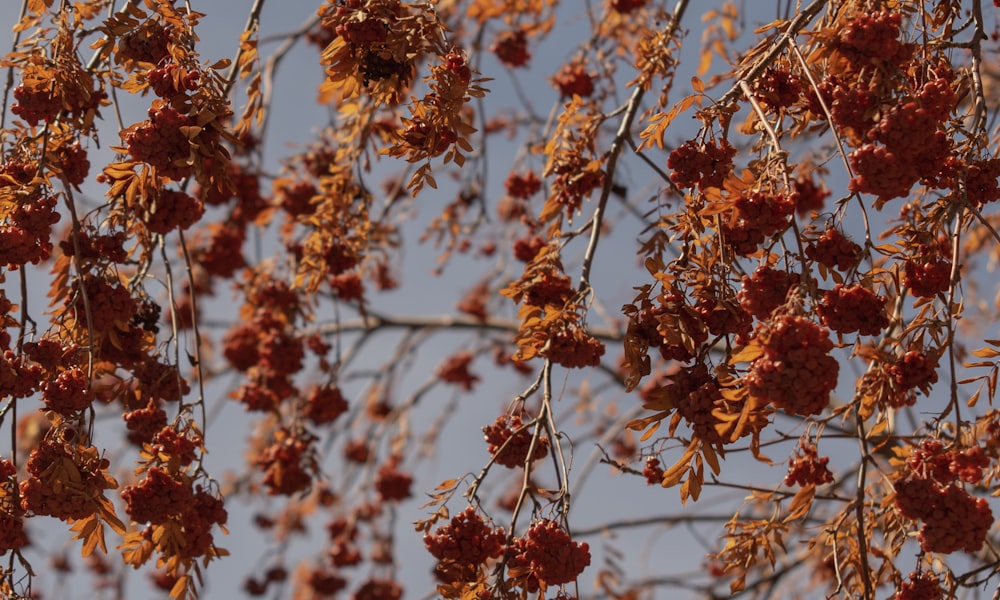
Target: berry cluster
x: 222, y: 254
x: 509, y: 441
x: 107, y: 304
x: 796, y: 372
x: 522, y: 186
x: 808, y: 195
x: 50, y: 466
x: 12, y: 534
x: 511, y: 47
x: 914, y: 370
x: 69, y: 392
x: 778, y: 88
x: 725, y: 317
x: 169, y: 444
x: 626, y: 6
x: 167, y: 210
x: 148, y: 43
x: 161, y: 142
x: 920, y: 585
x: 930, y: 461
x: 158, y: 498
x: 756, y: 216
x: 765, y: 290
x: 455, y: 62
x: 871, y: 37
x: 808, y: 468
x: 144, y: 423
x: 906, y: 145
x: 391, y: 483
x: 853, y: 308
x: 72, y: 162
x: 574, y: 80
x: 575, y: 179
x: 526, y: 249
x: 378, y: 589
x: 573, y: 348
x: 981, y: 181
x: 455, y: 369
x: 549, y: 554
x: 324, y: 404
x: 548, y: 287
x: 834, y: 250
x: 953, y: 520
x: 26, y: 238
x: 705, y: 165
x: 927, y: 276
x: 288, y: 462
x: 466, y: 542
x: 172, y: 80
x: 653, y: 471
x: 295, y: 197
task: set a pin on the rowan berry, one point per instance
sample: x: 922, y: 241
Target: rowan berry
x: 391, y: 483
x: 778, y: 88
x: 513, y: 453
x: 765, y: 290
x: 161, y: 142
x: 378, y: 589
x: 705, y: 165
x: 928, y: 276
x: 653, y: 471
x: 511, y: 47
x: 573, y: 348
x: 324, y: 404
x: 808, y: 468
x: 157, y: 498
x: 455, y: 369
x: 626, y: 6
x: 465, y: 540
x: 69, y: 392
x: 522, y: 186
x: 796, y: 372
x: 574, y: 80
x: 551, y: 555
x: 920, y: 585
x: 834, y: 250
x: 853, y: 308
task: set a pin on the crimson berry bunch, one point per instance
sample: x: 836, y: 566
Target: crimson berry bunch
x: 455, y: 369
x: 796, y: 372
x: 522, y: 186
x: 573, y: 348
x: 906, y: 145
x: 161, y: 142
x: 391, y: 483
x: 222, y: 253
x: 920, y: 585
x: 834, y: 250
x: 463, y: 544
x: 144, y: 423
x: 108, y: 303
x: 952, y: 519
x: 765, y: 290
x: 295, y: 197
x: 575, y: 180
x: 289, y: 462
x: 168, y: 210
x: 12, y: 534
x: 703, y: 164
x: 808, y: 195
x: 158, y: 498
x: 725, y: 317
x: 171, y: 80
x: 928, y: 275
x: 69, y: 392
x: 324, y: 404
x: 51, y: 464
x: 456, y: 63
x: 511, y: 47
x: 652, y: 470
x: 873, y: 36
x: 548, y: 287
x: 72, y: 163
x: 574, y: 80
x: 756, y: 216
x: 846, y: 309
x: 148, y: 43
x: 550, y: 555
x: 778, y: 88
x: 26, y: 238
x: 808, y: 468
x: 626, y: 6
x: 509, y: 441
x: 378, y: 589
x: 915, y: 369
